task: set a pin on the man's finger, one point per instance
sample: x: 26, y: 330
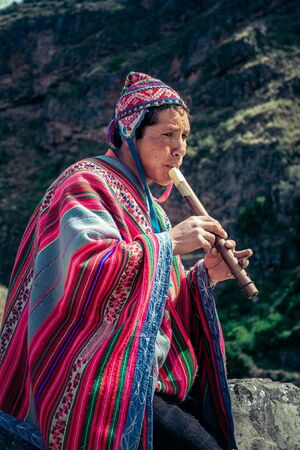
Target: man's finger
x: 244, y: 263
x: 214, y: 252
x: 210, y: 237
x: 215, y: 228
x: 230, y: 244
x: 243, y: 253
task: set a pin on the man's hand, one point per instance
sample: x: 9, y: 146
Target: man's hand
x: 196, y: 232
x: 216, y: 266
x: 199, y: 232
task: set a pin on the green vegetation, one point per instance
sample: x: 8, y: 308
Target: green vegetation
x: 266, y: 334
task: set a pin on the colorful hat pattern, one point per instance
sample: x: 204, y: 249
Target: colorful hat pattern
x: 140, y: 93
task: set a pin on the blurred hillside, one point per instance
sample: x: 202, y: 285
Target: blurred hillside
x: 62, y: 65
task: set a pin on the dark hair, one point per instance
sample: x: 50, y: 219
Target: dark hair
x: 150, y: 118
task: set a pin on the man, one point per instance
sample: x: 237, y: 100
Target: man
x: 102, y: 322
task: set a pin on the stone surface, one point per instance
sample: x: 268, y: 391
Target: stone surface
x: 267, y: 414
x: 3, y: 294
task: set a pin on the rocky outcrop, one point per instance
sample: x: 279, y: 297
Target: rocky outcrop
x: 267, y: 416
x: 3, y: 295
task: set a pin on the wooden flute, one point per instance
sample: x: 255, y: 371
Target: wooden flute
x: 241, y: 276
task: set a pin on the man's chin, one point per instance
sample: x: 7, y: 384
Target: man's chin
x: 163, y: 183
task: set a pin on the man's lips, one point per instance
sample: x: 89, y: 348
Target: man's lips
x: 171, y: 166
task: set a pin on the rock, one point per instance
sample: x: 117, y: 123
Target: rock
x: 3, y: 295
x: 267, y: 414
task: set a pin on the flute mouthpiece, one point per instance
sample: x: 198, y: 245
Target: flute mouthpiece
x: 176, y: 176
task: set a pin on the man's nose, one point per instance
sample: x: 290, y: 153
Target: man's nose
x: 179, y: 148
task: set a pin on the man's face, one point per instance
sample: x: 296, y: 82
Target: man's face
x: 163, y: 145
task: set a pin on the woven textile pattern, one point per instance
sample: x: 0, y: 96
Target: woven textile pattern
x: 91, y: 288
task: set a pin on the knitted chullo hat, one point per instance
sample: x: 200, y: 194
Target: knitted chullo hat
x: 140, y: 94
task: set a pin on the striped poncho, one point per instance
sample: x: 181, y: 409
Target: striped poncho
x: 100, y: 315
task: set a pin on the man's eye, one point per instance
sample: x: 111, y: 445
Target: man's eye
x: 167, y: 134
x: 184, y: 137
